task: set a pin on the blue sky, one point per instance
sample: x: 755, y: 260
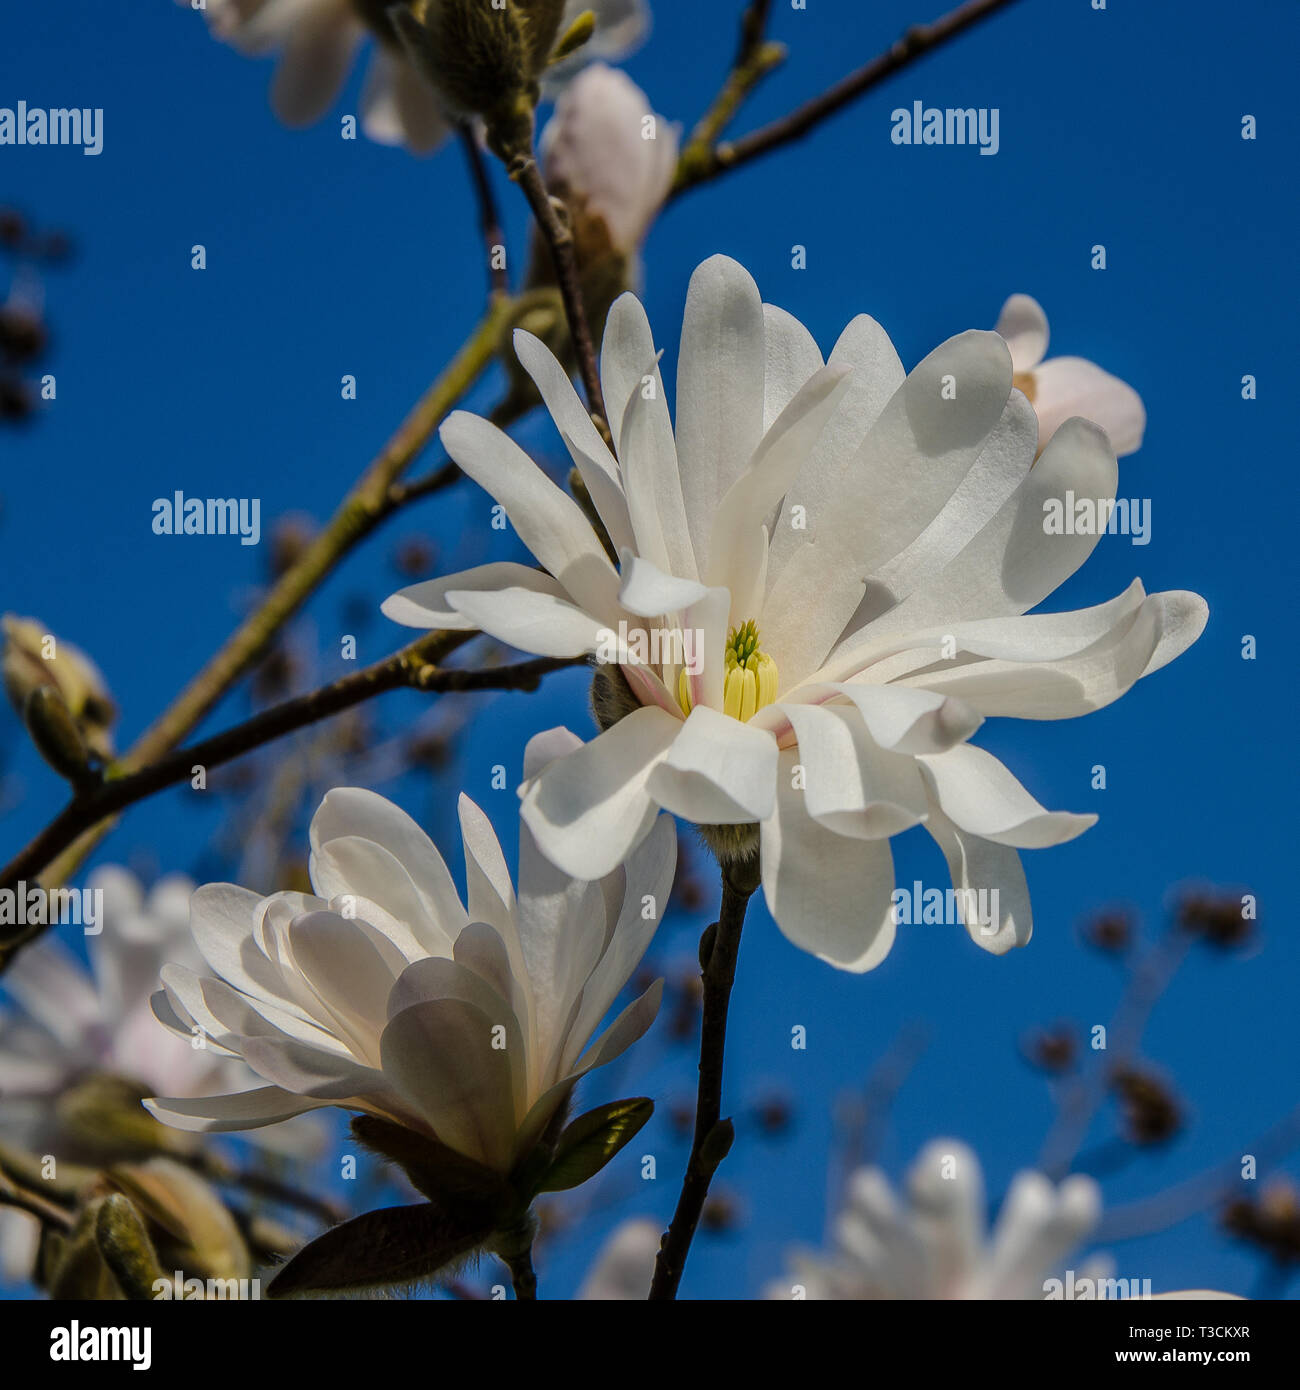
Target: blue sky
x: 1120, y: 127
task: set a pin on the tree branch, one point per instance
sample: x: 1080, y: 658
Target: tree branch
x: 415, y: 666
x: 698, y: 164
x: 489, y: 217
x: 719, y: 948
x: 559, y: 238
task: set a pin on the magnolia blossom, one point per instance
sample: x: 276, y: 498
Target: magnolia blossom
x: 1063, y: 387
x: 610, y: 157
x: 386, y: 995
x: 625, y: 1264
x: 824, y: 576
x: 317, y: 42
x: 70, y: 1025
x: 931, y: 1242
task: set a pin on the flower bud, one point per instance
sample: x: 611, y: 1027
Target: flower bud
x: 484, y: 60
x: 55, y: 733
x: 33, y: 658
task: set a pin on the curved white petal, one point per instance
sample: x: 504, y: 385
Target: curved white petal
x: 717, y: 771
x: 982, y: 797
x: 829, y: 894
x: 425, y: 604
x: 587, y: 810
x: 1069, y: 386
x: 1023, y: 325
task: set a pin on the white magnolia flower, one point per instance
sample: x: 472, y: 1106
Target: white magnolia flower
x: 1063, y: 387
x: 625, y: 1264
x: 386, y: 995
x: 596, y: 155
x: 317, y: 42
x: 931, y: 1242
x: 823, y: 588
x: 69, y: 1025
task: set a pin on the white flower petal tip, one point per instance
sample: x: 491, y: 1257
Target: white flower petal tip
x: 385, y: 993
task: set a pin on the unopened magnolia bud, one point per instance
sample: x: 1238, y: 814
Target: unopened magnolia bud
x: 34, y: 657
x: 103, y: 1121
x: 55, y: 733
x: 191, y: 1224
x: 484, y: 59
x: 127, y: 1250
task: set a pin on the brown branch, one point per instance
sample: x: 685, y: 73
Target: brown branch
x: 559, y: 238
x: 719, y: 949
x: 415, y: 667
x: 489, y: 217
x: 698, y: 164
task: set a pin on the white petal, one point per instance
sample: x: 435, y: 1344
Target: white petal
x: 425, y: 604
x: 354, y: 811
x: 596, y: 465
x: 539, y: 623
x: 398, y: 106
x: 439, y: 1054
x: 738, y: 540
x: 829, y: 894
x: 266, y: 1105
x: 1024, y: 326
x: 790, y: 358
x: 589, y: 809
x: 852, y: 786
x: 981, y: 796
x: 717, y: 771
x: 907, y: 468
x: 314, y: 65
x: 720, y: 387
x: 548, y: 521
x: 1068, y: 386
x: 993, y: 897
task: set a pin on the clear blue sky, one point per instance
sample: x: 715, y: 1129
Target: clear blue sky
x: 1119, y: 127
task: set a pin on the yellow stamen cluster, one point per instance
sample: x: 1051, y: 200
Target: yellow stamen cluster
x: 750, y: 682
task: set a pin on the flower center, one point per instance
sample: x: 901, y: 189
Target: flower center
x: 751, y: 677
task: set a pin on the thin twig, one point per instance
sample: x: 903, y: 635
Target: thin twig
x: 559, y: 238
x: 1150, y: 979
x: 713, y: 1135
x: 414, y: 666
x: 1201, y: 1192
x: 13, y: 1194
x: 489, y: 218
x: 698, y: 165
x: 217, y: 1170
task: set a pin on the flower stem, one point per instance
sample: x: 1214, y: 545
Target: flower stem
x: 559, y: 239
x: 719, y: 949
x: 522, y: 1277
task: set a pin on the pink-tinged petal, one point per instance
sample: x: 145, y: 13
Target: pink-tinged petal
x: 1070, y: 386
x: 1023, y: 325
